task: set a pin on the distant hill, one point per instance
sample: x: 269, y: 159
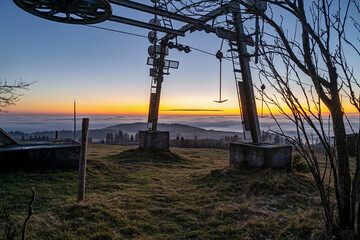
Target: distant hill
x: 175, y: 129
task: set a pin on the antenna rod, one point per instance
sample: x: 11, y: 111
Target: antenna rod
x: 74, y: 120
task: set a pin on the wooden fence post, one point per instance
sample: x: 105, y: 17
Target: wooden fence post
x: 82, y: 162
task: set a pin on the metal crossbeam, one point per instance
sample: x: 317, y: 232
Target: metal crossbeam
x: 153, y: 10
x: 192, y: 23
x: 203, y: 19
x: 145, y: 25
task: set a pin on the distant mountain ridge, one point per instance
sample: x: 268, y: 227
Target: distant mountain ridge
x: 175, y: 129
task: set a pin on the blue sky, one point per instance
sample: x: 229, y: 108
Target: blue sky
x: 101, y: 69
x: 106, y: 72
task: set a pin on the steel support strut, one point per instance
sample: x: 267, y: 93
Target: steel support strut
x: 145, y: 25
x: 155, y: 101
x: 250, y: 104
x: 153, y: 10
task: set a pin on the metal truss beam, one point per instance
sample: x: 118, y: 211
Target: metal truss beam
x: 153, y: 10
x: 145, y: 25
x: 203, y: 19
x: 192, y: 23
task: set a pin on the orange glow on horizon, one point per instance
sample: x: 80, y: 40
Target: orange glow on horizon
x: 141, y: 111
x: 101, y: 108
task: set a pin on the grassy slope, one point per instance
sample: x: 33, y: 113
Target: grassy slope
x: 186, y: 194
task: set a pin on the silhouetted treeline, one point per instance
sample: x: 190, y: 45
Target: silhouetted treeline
x: 121, y: 137
x: 35, y: 138
x: 199, y: 143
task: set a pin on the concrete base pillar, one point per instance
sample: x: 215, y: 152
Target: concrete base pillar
x: 154, y: 140
x: 261, y: 155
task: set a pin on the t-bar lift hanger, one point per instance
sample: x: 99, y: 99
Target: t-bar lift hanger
x: 219, y: 55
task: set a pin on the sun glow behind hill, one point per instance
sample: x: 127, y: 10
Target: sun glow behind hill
x: 136, y: 108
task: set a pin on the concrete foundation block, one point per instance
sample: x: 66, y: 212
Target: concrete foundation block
x: 261, y: 155
x: 154, y: 140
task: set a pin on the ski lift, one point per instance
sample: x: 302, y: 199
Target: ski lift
x: 219, y: 55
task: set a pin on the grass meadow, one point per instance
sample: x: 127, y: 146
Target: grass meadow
x: 182, y: 194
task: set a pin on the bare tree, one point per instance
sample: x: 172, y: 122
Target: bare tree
x: 308, y: 120
x: 319, y: 53
x: 315, y: 41
x: 9, y: 93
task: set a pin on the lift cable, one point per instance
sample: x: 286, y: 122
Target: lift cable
x: 202, y: 51
x: 197, y: 49
x: 117, y: 31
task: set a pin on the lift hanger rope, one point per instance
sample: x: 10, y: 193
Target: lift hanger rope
x: 219, y: 55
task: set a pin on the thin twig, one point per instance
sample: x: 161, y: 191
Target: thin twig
x: 30, y: 212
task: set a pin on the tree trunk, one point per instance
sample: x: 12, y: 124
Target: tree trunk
x: 343, y: 170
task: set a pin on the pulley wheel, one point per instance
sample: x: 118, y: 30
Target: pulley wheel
x: 68, y: 11
x: 219, y: 55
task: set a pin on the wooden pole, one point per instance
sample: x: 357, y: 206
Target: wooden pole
x: 56, y: 135
x: 82, y: 162
x: 74, y: 120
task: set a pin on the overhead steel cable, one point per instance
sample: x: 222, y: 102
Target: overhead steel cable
x: 117, y: 31
x: 199, y: 50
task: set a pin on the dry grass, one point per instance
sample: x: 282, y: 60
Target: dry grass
x: 185, y: 194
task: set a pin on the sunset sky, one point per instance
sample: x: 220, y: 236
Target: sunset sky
x: 106, y: 72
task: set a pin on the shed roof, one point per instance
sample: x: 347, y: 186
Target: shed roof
x: 6, y: 139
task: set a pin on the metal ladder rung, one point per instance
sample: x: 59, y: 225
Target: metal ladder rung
x: 234, y: 50
x: 167, y: 21
x: 162, y: 4
x: 230, y: 22
x: 168, y: 24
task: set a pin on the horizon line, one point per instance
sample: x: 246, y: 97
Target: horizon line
x: 182, y: 112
